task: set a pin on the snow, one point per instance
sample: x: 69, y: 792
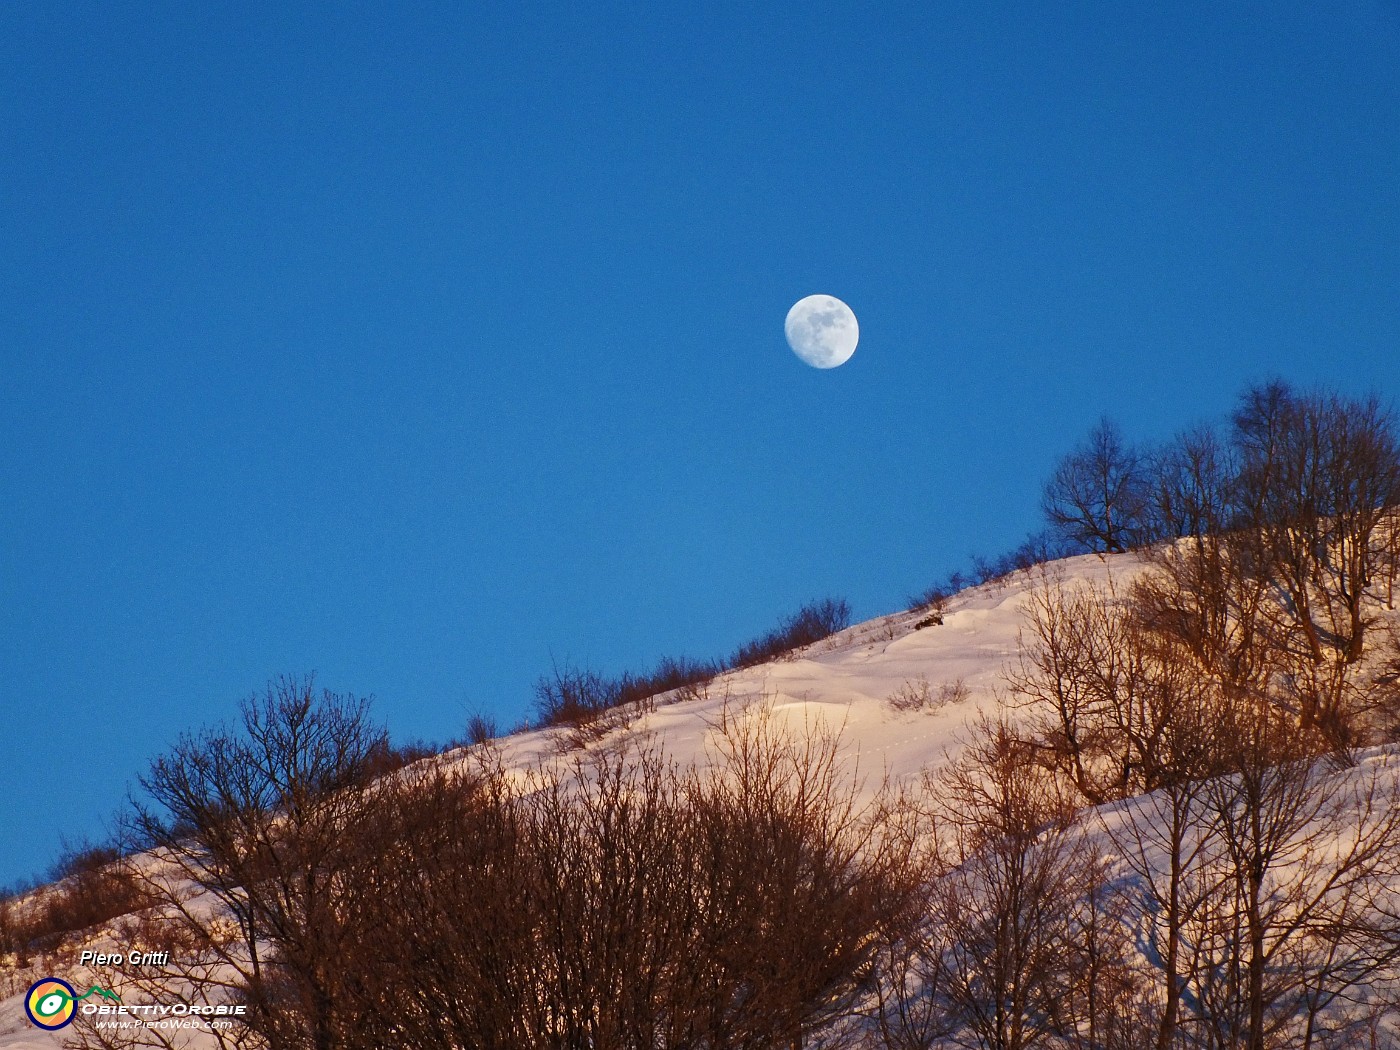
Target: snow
x: 16, y: 1031
x: 843, y: 682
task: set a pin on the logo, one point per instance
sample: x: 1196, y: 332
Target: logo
x: 51, y: 1003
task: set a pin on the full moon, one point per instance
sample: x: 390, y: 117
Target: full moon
x: 822, y: 330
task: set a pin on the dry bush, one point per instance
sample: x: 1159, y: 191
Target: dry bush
x: 591, y: 704
x: 1306, y: 905
x: 88, y: 886
x: 613, y: 901
x: 1034, y: 551
x: 481, y: 729
x: 574, y: 697
x: 387, y: 758
x: 811, y: 623
x: 579, y: 735
x: 624, y: 902
x: 97, y: 888
x: 933, y: 601
x: 916, y: 694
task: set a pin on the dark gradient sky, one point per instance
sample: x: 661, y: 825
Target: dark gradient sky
x: 422, y: 345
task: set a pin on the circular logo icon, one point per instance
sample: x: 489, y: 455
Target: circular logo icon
x: 50, y: 1003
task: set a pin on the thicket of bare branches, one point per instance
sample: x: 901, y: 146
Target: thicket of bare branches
x: 1264, y: 855
x: 616, y: 902
x: 590, y: 705
x: 625, y: 903
x: 1302, y: 485
x: 811, y: 623
x: 86, y: 887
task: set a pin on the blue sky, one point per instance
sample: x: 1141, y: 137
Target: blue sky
x: 421, y: 346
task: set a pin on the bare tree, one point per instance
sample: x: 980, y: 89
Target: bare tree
x: 1098, y: 496
x: 1312, y: 853
x: 1167, y: 840
x: 1193, y: 485
x: 1320, y: 481
x: 1088, y: 680
x: 256, y: 818
x: 1010, y: 933
x: 1102, y: 693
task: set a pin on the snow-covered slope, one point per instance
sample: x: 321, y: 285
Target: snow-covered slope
x: 846, y: 680
x: 957, y: 661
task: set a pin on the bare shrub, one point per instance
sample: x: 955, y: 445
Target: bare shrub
x: 12, y: 935
x: 386, y: 758
x: 1082, y: 681
x: 1307, y: 905
x: 592, y: 704
x: 93, y: 887
x: 933, y: 603
x: 574, y: 697
x: 916, y: 694
x: 811, y: 623
x: 88, y: 886
x: 933, y: 600
x: 623, y: 902
x: 579, y: 735
x: 481, y: 729
x: 683, y: 675
x: 1034, y: 551
x: 612, y: 901
x: 1011, y: 851
x: 954, y: 692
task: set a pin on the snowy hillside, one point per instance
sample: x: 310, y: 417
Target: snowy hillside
x: 847, y: 680
x: 844, y: 681
x: 947, y: 668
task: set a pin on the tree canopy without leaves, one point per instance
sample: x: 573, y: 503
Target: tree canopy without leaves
x: 1097, y: 498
